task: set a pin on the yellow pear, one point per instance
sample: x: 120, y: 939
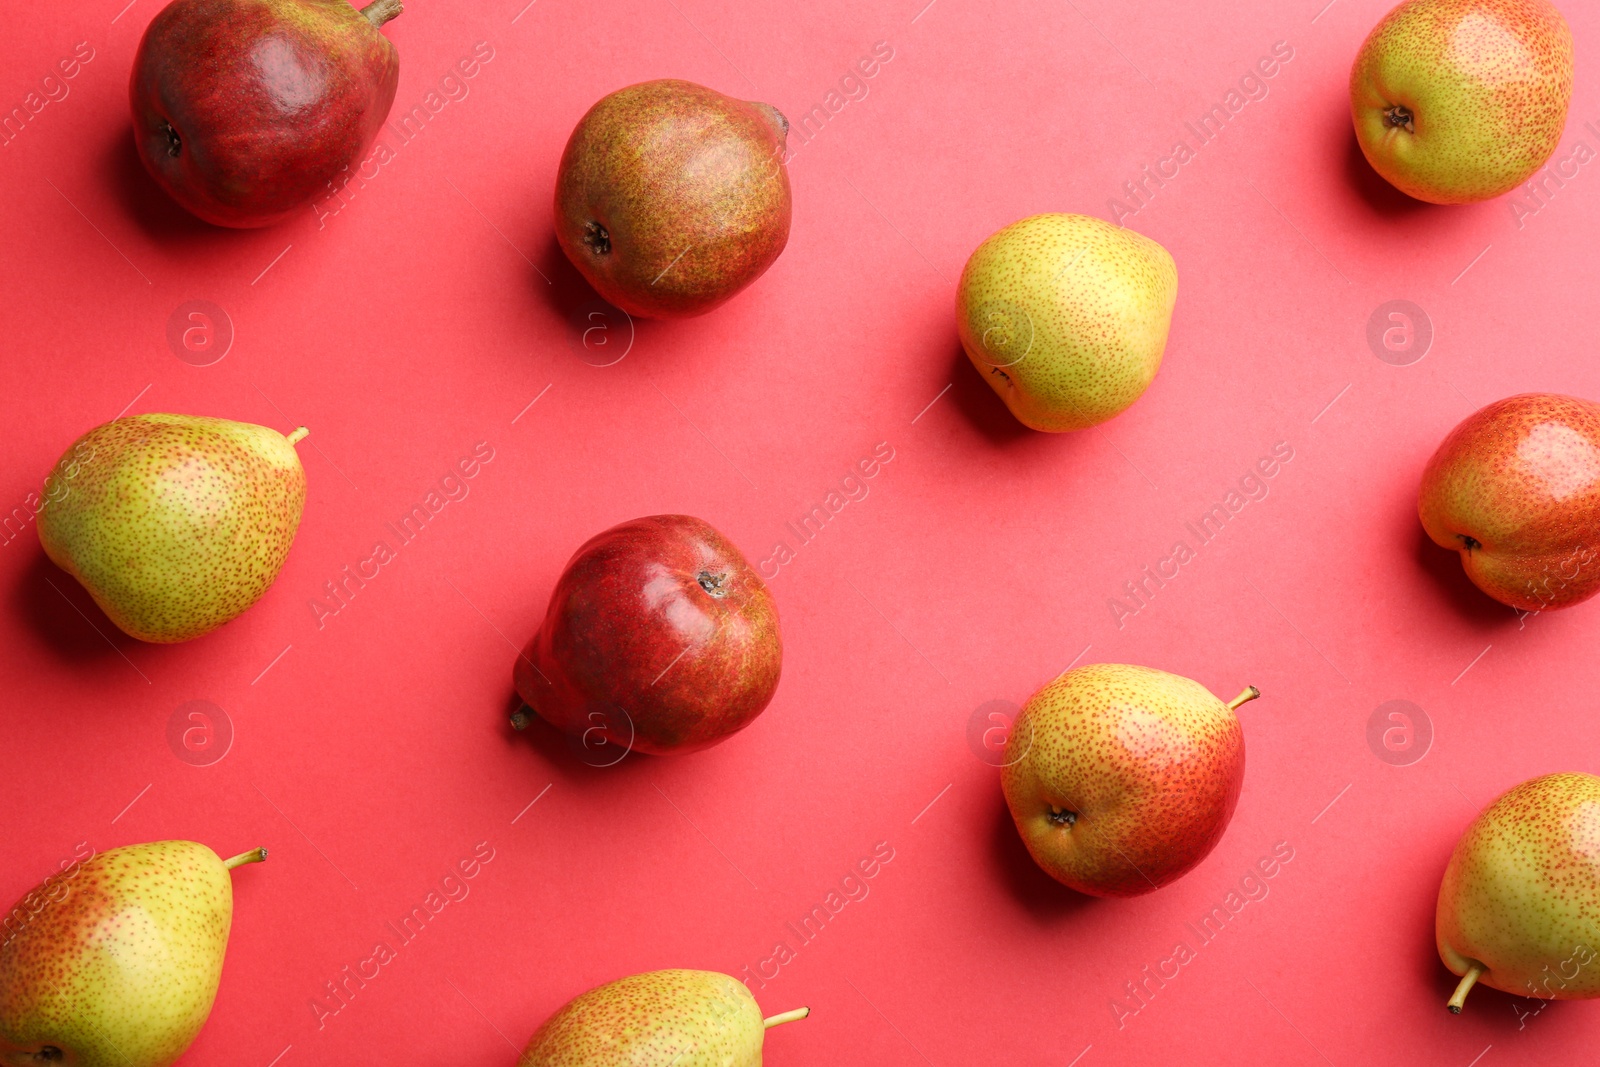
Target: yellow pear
x: 115, y: 962
x: 174, y: 523
x: 1066, y: 317
x: 1519, y: 907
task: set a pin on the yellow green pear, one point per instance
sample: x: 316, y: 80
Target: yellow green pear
x: 1066, y: 317
x: 1519, y: 907
x: 658, y: 1019
x: 115, y: 962
x: 174, y: 523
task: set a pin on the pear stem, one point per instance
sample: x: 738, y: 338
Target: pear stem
x: 300, y: 434
x: 1249, y: 694
x: 786, y: 1017
x: 1468, y: 980
x: 380, y: 11
x: 255, y: 855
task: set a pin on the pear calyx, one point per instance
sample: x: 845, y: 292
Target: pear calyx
x: 1250, y: 693
x: 255, y: 855
x: 380, y: 11
x: 1468, y: 980
x: 787, y: 1017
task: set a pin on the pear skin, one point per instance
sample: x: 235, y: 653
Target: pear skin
x: 175, y: 524
x: 120, y: 968
x: 1121, y: 778
x: 1066, y: 317
x: 677, y: 1017
x: 1519, y: 907
x: 1457, y: 101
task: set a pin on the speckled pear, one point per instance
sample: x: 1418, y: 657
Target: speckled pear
x: 658, y: 1019
x: 1121, y: 778
x: 174, y: 523
x: 114, y: 962
x: 1456, y: 101
x: 1519, y: 907
x: 1066, y: 317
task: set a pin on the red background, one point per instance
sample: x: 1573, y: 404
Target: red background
x: 425, y: 315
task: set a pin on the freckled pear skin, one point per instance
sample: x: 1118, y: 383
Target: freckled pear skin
x: 122, y: 969
x: 672, y: 197
x: 1122, y: 778
x: 1457, y: 101
x: 1515, y: 488
x: 1066, y: 317
x: 175, y: 524
x: 1519, y: 907
x: 677, y: 1018
x: 245, y: 110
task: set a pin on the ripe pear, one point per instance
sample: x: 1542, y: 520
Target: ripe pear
x: 1515, y: 489
x: 1519, y: 907
x: 121, y: 964
x: 658, y: 1019
x: 672, y: 197
x: 1066, y: 317
x: 1456, y: 101
x: 174, y: 523
x: 1122, y: 778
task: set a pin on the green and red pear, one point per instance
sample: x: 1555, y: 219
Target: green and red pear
x: 1515, y: 489
x: 1519, y: 906
x: 1121, y: 778
x: 1456, y: 101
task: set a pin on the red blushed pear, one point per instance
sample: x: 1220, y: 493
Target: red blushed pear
x: 1456, y: 101
x: 1515, y: 489
x: 672, y: 197
x: 245, y: 110
x: 659, y: 636
x: 1121, y: 778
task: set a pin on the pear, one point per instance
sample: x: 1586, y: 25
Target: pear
x: 1121, y: 778
x: 120, y: 965
x: 174, y: 523
x: 658, y: 1019
x: 1519, y: 907
x: 1457, y: 101
x: 1066, y: 317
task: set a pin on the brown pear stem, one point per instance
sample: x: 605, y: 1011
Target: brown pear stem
x: 1249, y: 694
x: 787, y: 1017
x: 1468, y: 980
x: 255, y: 855
x: 520, y: 718
x: 380, y: 11
x: 300, y: 434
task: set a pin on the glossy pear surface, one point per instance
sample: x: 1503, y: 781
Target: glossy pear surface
x: 670, y: 1018
x: 1121, y: 778
x: 1515, y: 489
x: 174, y: 523
x: 1521, y: 895
x: 120, y: 967
x: 1066, y: 317
x: 1456, y: 101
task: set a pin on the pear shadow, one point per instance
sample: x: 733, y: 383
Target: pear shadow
x: 1044, y: 898
x: 566, y: 293
x: 144, y: 202
x: 557, y: 754
x: 981, y: 406
x: 1447, y: 575
x: 1373, y: 189
x: 61, y: 613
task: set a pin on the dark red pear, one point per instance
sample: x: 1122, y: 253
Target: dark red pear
x: 672, y: 197
x: 245, y: 110
x: 659, y: 637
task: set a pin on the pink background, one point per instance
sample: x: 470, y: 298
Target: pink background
x: 370, y: 752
